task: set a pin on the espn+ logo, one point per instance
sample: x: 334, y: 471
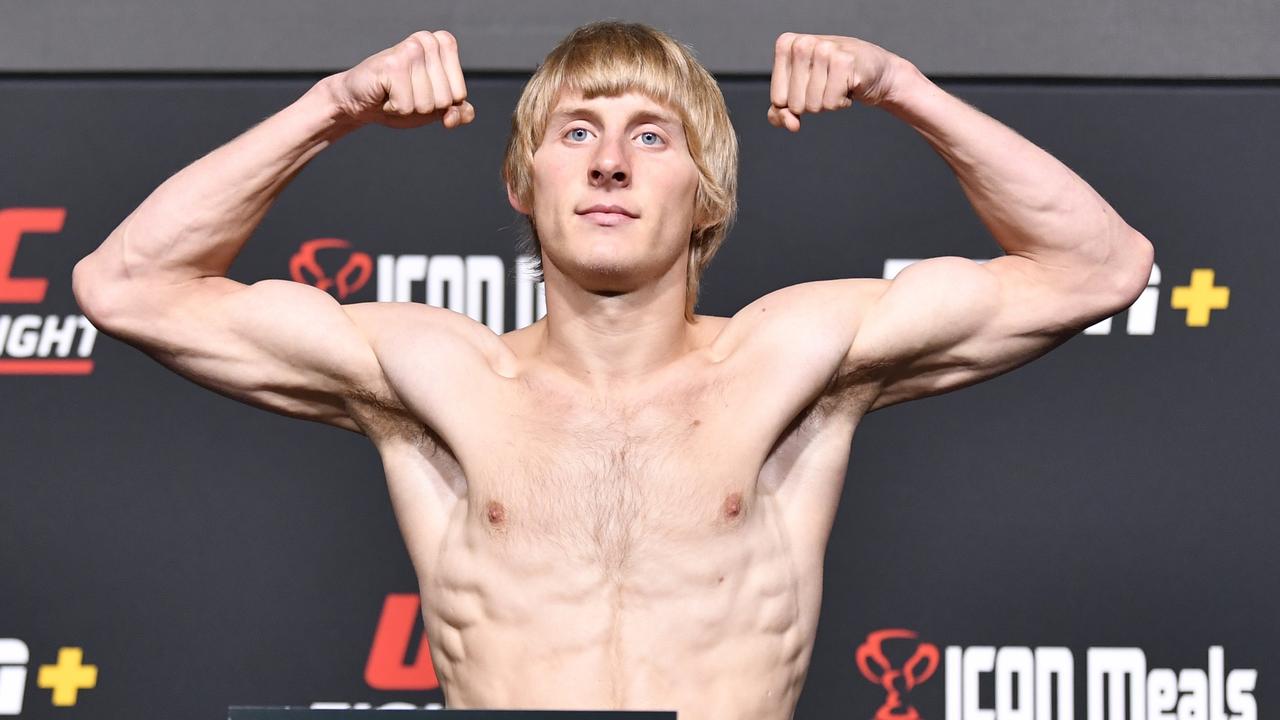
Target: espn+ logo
x: 1039, y: 683
x: 13, y: 675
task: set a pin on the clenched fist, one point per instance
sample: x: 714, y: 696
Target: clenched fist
x: 812, y: 73
x: 412, y: 83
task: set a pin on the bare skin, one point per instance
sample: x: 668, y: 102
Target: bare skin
x: 615, y: 507
x: 656, y: 546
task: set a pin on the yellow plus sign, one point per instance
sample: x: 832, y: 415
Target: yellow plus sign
x: 67, y: 677
x: 1200, y: 297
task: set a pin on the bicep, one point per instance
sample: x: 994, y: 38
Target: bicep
x: 282, y: 346
x: 949, y: 322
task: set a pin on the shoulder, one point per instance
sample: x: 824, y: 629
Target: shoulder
x: 425, y: 355
x: 795, y: 341
x: 817, y: 320
x: 392, y: 327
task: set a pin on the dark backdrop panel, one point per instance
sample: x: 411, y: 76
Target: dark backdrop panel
x: 1099, y: 38
x: 1119, y: 492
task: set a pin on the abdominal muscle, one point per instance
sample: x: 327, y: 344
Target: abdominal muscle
x: 717, y: 627
x: 648, y: 559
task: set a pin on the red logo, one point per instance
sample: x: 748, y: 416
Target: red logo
x: 14, y: 223
x: 887, y: 676
x: 386, y: 669
x: 305, y: 268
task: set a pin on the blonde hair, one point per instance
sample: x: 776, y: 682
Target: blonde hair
x: 610, y: 58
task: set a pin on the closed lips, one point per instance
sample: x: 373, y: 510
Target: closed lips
x: 608, y: 209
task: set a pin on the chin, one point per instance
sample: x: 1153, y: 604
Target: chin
x: 601, y: 272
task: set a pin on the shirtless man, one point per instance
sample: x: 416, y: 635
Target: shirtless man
x: 623, y: 505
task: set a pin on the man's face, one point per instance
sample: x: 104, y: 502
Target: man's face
x: 625, y: 153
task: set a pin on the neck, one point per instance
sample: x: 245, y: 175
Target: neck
x: 603, y: 339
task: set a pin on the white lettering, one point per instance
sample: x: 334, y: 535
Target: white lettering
x: 1114, y: 664
x: 485, y: 290
x: 446, y: 270
x: 1194, y: 705
x: 58, y: 333
x: 1011, y: 661
x: 26, y: 336
x: 1055, y: 667
x: 368, y: 706
x: 23, y: 336
x: 13, y: 675
x: 409, y: 269
x: 1162, y: 694
x: 1240, y: 693
x: 977, y: 660
x: 471, y: 284
x: 1216, y: 709
x: 953, y: 682
x: 88, y: 338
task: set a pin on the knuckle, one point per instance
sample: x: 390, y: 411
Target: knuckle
x: 784, y: 41
x: 805, y: 43
x: 404, y: 54
x: 823, y: 49
x: 446, y: 39
x: 389, y: 64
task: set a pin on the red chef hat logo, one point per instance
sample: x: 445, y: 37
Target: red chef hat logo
x: 305, y: 268
x: 877, y: 668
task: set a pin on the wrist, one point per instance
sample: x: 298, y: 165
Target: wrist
x: 320, y: 104
x: 906, y: 85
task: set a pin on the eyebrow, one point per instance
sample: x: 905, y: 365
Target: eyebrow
x: 667, y: 120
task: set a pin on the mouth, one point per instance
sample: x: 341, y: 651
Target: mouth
x: 608, y: 214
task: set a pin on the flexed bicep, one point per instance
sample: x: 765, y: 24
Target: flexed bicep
x: 282, y: 346
x: 949, y: 322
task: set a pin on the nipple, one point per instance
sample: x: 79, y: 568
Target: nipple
x: 733, y: 505
x: 496, y: 512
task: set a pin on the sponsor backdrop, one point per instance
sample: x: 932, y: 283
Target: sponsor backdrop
x: 1097, y: 525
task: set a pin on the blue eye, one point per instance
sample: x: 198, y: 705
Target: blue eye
x: 657, y: 138
x: 574, y: 133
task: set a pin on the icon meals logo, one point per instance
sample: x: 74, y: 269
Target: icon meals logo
x: 304, y: 267
x: 1118, y: 686
x: 886, y: 675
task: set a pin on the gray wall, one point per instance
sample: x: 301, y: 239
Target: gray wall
x: 1039, y: 38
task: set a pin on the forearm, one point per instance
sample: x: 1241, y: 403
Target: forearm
x: 195, y: 223
x: 1033, y: 204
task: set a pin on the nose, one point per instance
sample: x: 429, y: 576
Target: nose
x: 609, y: 165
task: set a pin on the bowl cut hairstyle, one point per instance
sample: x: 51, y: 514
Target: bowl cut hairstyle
x: 608, y: 59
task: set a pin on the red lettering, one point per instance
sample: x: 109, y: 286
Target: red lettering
x: 14, y: 222
x: 386, y: 669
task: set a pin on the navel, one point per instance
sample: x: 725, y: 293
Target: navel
x: 496, y: 513
x: 733, y: 505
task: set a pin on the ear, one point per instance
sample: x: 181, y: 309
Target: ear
x: 515, y: 201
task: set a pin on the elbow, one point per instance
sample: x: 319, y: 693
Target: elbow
x: 1132, y: 262
x: 95, y: 296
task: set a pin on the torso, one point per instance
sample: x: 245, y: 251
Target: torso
x: 654, y: 548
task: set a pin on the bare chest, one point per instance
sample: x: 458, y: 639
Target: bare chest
x: 606, y: 478
x: 536, y: 473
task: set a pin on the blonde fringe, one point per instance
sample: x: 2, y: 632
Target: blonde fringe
x: 607, y: 59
